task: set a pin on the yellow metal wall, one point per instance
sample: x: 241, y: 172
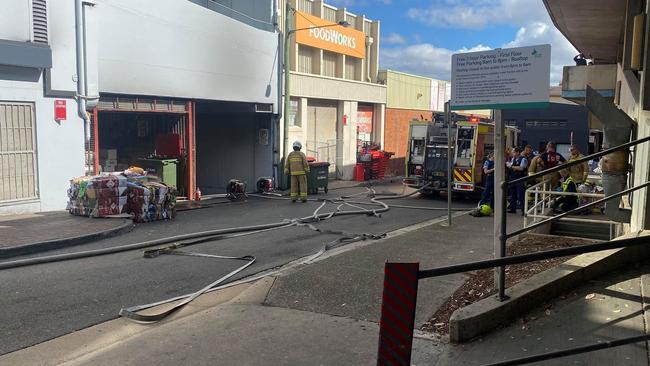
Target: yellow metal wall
x: 407, y: 91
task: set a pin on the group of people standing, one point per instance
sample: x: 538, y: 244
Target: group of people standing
x: 520, y: 163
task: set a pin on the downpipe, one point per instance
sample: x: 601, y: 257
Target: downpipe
x: 278, y: 120
x: 80, y: 52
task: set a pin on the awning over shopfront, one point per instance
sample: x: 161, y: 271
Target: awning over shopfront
x: 594, y: 27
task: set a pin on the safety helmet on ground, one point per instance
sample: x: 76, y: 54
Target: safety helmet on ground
x: 485, y: 210
x: 297, y: 145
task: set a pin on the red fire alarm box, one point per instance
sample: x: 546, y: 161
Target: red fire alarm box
x: 60, y: 111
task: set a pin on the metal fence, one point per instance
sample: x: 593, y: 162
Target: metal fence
x: 397, y: 318
x: 538, y: 202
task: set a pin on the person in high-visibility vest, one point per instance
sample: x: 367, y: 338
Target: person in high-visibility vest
x: 566, y: 203
x: 298, y: 167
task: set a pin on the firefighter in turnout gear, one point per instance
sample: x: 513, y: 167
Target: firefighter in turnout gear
x: 298, y: 167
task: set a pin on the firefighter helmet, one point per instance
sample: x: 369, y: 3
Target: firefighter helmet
x: 485, y: 210
x: 297, y: 145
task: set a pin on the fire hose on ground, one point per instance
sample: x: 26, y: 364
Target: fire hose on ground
x: 220, y: 234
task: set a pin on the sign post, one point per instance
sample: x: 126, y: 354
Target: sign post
x: 501, y: 79
x: 450, y: 160
x: 500, y: 196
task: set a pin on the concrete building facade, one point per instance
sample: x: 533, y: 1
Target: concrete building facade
x: 616, y: 89
x: 38, y: 151
x: 563, y: 122
x: 205, y: 72
x: 409, y: 97
x: 336, y: 104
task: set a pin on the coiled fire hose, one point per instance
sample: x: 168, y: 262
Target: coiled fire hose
x: 219, y: 234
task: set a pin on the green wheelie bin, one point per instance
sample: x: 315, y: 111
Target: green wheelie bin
x: 318, y: 176
x: 165, y: 169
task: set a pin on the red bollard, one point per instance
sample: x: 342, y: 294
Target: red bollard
x: 397, y: 314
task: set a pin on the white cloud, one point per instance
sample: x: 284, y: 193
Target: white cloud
x: 562, y: 51
x: 393, y: 38
x: 423, y: 59
x: 476, y: 14
x: 535, y: 28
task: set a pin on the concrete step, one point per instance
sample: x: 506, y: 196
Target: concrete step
x: 589, y: 230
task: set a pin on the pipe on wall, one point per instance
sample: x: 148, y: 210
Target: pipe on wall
x: 277, y: 122
x: 81, y: 58
x: 369, y: 42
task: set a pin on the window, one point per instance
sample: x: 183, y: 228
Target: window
x: 546, y: 123
x: 465, y: 139
x: 329, y: 63
x: 329, y: 13
x: 351, y: 68
x: 294, y: 115
x: 305, y: 59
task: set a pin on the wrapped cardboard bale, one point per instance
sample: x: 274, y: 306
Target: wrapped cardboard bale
x: 116, y: 194
x: 150, y: 201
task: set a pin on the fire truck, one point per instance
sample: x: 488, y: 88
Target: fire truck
x: 472, y: 141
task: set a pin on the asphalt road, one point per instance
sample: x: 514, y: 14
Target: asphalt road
x: 49, y: 300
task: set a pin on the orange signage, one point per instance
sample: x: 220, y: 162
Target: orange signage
x: 335, y: 38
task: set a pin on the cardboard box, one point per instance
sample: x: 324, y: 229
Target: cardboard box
x: 111, y: 154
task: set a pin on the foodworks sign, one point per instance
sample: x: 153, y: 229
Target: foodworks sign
x: 335, y: 38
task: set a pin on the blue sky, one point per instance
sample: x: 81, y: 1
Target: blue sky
x: 419, y: 36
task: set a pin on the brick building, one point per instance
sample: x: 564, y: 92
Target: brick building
x: 409, y: 97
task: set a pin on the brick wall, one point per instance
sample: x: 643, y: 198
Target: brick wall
x: 396, y: 131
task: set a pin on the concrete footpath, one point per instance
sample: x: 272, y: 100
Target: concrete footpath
x: 323, y: 313
x: 32, y: 233
x: 326, y: 312
x: 608, y: 308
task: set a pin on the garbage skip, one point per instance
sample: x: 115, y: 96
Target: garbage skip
x: 165, y: 169
x: 318, y: 176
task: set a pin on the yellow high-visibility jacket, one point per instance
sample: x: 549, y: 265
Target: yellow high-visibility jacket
x: 296, y: 164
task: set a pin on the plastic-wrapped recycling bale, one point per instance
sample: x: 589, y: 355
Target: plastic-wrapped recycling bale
x: 119, y: 195
x: 150, y: 201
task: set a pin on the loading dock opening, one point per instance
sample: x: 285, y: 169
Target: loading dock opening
x: 146, y: 132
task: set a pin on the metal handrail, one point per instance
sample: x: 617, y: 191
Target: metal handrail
x: 537, y: 202
x: 543, y: 255
x: 538, y: 256
x: 503, y: 236
x: 532, y: 257
x: 575, y: 219
x: 590, y: 195
x: 575, y: 210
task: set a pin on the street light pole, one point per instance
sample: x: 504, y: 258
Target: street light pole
x: 287, y: 35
